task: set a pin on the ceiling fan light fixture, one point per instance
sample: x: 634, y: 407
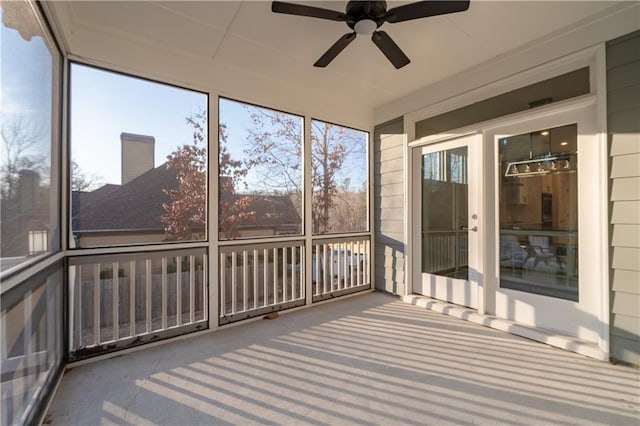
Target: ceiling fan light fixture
x: 365, y: 27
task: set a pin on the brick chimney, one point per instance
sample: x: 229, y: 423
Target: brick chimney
x: 28, y: 190
x: 137, y: 155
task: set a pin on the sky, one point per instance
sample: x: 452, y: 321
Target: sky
x: 106, y: 104
x: 25, y: 87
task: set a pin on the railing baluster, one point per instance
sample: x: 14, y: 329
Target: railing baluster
x: 4, y: 354
x: 192, y: 288
x: 336, y: 265
x: 294, y: 273
x: 368, y: 258
x: 223, y: 284
x: 245, y: 279
x: 116, y: 303
x: 205, y: 286
x: 317, y: 277
x: 351, y: 265
x: 340, y: 265
x: 27, y: 340
x: 325, y: 268
x: 178, y: 290
x: 285, y: 296
x: 345, y: 259
x: 234, y: 280
x: 275, y: 276
x: 358, y: 259
x: 255, y: 278
x: 147, y: 277
x: 164, y: 292
x: 301, y: 275
x: 132, y: 297
x: 96, y: 303
x: 79, y: 305
x: 265, y: 273
x: 331, y: 273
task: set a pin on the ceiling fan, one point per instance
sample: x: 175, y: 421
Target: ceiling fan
x: 365, y: 17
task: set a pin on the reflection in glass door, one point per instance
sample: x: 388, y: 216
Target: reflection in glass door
x: 445, y: 192
x: 539, y: 212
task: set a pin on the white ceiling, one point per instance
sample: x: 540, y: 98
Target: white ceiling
x: 271, y: 55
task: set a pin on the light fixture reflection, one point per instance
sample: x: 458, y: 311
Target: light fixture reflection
x: 540, y: 166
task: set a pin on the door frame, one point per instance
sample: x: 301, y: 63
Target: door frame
x: 559, y: 113
x: 413, y: 202
x: 475, y: 189
x: 588, y: 318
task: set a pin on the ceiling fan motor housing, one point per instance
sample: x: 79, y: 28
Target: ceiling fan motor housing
x: 357, y: 11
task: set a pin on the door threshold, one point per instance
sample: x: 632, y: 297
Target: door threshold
x: 549, y: 337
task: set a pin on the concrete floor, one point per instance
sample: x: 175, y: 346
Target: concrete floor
x: 369, y: 359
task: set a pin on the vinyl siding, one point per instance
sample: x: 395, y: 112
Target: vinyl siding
x: 389, y: 206
x: 623, y: 121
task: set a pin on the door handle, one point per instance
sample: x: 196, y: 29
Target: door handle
x: 466, y: 228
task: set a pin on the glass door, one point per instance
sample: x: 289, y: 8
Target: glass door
x: 446, y: 216
x: 546, y: 245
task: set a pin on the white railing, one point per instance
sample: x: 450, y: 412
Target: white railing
x: 126, y: 299
x: 31, y: 348
x: 260, y: 278
x: 444, y: 251
x: 340, y: 266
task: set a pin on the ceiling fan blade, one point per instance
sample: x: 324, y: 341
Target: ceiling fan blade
x: 423, y: 9
x: 309, y: 11
x: 334, y: 50
x: 390, y: 49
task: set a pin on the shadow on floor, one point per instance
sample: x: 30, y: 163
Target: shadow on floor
x: 369, y: 359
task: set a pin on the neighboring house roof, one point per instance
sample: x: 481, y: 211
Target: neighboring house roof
x: 82, y: 199
x: 270, y: 211
x: 137, y: 205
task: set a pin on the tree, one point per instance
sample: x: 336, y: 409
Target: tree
x: 233, y: 208
x: 24, y: 184
x: 82, y: 181
x: 274, y: 148
x: 328, y: 154
x: 185, y: 215
x: 20, y: 140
